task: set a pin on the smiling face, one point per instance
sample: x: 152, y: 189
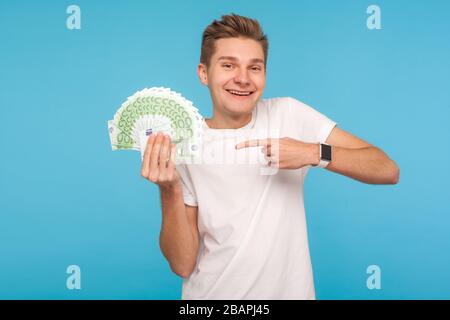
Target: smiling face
x: 236, y: 76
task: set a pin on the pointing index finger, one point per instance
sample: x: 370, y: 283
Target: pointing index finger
x: 253, y: 143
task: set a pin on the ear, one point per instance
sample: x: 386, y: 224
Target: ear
x: 202, y: 74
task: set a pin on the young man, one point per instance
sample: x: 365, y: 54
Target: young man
x: 230, y: 231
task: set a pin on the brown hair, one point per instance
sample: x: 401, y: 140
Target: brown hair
x: 232, y: 26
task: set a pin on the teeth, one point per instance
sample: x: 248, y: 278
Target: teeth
x: 239, y: 93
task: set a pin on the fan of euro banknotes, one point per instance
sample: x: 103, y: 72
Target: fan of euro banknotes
x: 154, y: 110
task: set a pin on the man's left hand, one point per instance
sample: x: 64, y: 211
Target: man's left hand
x: 285, y: 153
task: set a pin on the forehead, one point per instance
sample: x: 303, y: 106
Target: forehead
x: 240, y: 48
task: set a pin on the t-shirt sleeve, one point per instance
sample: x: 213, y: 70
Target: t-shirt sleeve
x: 189, y: 195
x: 309, y: 125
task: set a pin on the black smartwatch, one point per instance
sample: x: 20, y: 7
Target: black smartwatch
x: 325, y: 155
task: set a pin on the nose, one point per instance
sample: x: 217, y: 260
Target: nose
x: 242, y: 77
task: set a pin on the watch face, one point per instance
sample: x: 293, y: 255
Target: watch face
x: 326, y: 152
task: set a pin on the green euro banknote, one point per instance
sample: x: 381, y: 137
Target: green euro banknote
x: 154, y: 110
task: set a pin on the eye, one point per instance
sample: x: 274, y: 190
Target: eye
x: 227, y: 65
x: 256, y: 68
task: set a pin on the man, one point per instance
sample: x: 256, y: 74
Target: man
x: 230, y: 231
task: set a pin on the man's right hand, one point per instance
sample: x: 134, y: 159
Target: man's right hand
x: 158, y: 165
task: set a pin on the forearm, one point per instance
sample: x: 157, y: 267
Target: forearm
x: 369, y: 164
x: 177, y: 241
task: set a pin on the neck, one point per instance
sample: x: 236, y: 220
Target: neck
x: 219, y: 121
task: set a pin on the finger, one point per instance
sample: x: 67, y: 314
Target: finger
x: 266, y: 150
x: 253, y: 143
x: 171, y: 164
x: 274, y: 157
x: 155, y: 155
x: 271, y: 162
x: 268, y: 161
x: 163, y: 156
x: 146, y: 158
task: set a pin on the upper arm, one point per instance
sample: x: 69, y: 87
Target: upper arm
x: 192, y: 215
x: 344, y: 139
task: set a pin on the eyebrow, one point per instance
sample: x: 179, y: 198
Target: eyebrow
x: 255, y: 60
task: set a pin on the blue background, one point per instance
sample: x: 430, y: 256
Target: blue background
x: 66, y: 198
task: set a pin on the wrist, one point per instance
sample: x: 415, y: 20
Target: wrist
x: 315, y: 154
x: 174, y: 187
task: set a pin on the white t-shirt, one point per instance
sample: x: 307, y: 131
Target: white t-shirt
x: 251, y: 217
